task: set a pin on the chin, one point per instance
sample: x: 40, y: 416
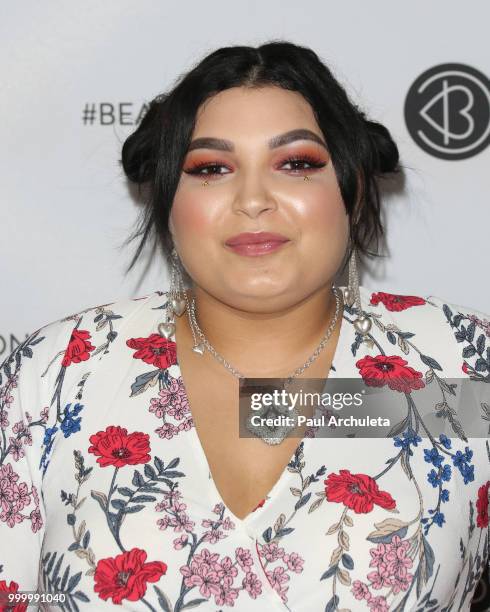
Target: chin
x: 260, y: 295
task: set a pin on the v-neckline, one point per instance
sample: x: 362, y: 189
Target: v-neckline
x: 202, y: 460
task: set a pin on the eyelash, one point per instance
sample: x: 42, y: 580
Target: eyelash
x: 312, y: 161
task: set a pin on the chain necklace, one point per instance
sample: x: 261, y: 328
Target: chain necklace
x: 277, y: 434
x: 204, y: 343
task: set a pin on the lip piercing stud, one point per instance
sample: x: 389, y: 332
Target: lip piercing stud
x: 205, y: 183
x: 306, y: 178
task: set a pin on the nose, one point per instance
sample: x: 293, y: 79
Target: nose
x: 253, y: 197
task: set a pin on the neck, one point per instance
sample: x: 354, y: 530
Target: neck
x: 267, y: 342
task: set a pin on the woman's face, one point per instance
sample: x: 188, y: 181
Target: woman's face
x: 256, y: 184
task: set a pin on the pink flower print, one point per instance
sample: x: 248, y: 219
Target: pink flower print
x: 164, y: 522
x: 377, y: 555
x: 227, y: 571
x: 186, y: 424
x: 397, y: 542
x: 8, y: 475
x: 244, y: 559
x: 36, y: 520
x: 277, y: 578
x: 7, y: 399
x: 226, y: 596
x: 11, y: 516
x: 25, y: 434
x: 5, y: 488
x: 401, y: 582
x: 170, y: 499
x: 178, y: 411
x: 360, y: 590
x: 294, y: 562
x: 181, y: 542
x: 35, y: 496
x: 213, y: 536
x: 378, y: 604
x: 207, y: 557
x: 218, y: 509
x: 397, y: 565
x: 170, y: 502
x: 175, y: 395
x: 201, y: 575
x: 228, y: 523
x: 162, y: 505
x: 271, y: 551
x: 251, y: 583
x: 157, y: 407
x: 4, y: 422
x: 181, y: 522
x: 19, y: 495
x: 207, y: 523
x: 18, y: 427
x: 167, y: 431
x: 278, y: 575
x: 44, y: 414
x: 179, y: 506
x: 16, y: 448
x: 380, y: 578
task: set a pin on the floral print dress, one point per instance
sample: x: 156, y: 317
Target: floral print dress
x: 107, y: 500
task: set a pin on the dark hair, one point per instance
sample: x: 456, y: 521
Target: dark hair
x: 361, y: 150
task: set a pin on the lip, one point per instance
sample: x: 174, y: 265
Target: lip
x: 255, y: 238
x: 256, y: 243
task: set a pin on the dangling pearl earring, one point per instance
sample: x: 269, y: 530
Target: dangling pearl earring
x: 176, y: 304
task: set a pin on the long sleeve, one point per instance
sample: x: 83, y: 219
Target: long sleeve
x: 26, y: 378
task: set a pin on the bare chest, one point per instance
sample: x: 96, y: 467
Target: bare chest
x: 244, y: 469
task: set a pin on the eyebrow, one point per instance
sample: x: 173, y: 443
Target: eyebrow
x: 278, y: 141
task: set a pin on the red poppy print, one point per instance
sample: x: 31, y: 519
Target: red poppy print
x: 155, y: 349
x: 5, y: 605
x: 394, y: 302
x: 116, y: 447
x: 126, y: 575
x: 78, y: 348
x: 358, y: 492
x: 482, y: 506
x: 390, y: 370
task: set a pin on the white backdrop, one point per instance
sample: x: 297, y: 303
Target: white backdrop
x: 65, y: 204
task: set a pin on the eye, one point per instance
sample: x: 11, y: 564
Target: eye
x: 298, y: 163
x: 206, y: 169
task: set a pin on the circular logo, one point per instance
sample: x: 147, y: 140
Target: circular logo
x: 447, y: 111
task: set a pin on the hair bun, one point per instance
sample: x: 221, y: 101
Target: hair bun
x: 139, y: 151
x: 386, y: 153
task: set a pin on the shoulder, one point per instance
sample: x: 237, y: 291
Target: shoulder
x: 76, y: 338
x: 459, y: 334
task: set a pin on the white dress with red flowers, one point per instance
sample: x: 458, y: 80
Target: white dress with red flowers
x: 107, y: 501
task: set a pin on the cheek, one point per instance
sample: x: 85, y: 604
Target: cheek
x: 323, y: 213
x: 192, y: 215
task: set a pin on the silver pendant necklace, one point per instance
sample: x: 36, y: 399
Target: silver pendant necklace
x: 267, y: 434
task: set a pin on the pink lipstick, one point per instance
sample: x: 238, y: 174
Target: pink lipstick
x: 257, y: 243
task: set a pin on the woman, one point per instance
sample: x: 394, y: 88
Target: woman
x: 124, y: 481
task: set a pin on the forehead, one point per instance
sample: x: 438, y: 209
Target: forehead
x: 266, y: 110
